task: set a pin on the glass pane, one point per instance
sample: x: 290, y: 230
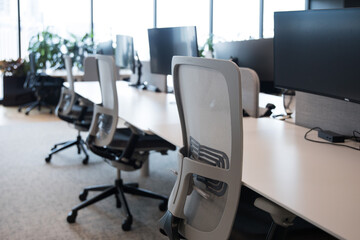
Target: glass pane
x: 177, y: 13
x: 131, y: 18
x: 271, y: 6
x: 63, y: 18
x: 9, y: 30
x: 236, y: 20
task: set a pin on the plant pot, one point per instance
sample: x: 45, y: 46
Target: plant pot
x: 14, y: 91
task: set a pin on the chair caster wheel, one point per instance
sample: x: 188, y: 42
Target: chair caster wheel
x: 48, y: 158
x: 163, y: 206
x: 71, y: 217
x: 86, y: 160
x: 27, y: 113
x: 126, y: 226
x: 19, y: 110
x: 83, y: 195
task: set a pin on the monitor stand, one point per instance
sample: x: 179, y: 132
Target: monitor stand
x: 144, y: 85
x: 288, y: 102
x: 138, y: 83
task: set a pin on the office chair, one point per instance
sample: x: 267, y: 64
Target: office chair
x: 126, y: 149
x: 76, y: 111
x: 90, y: 69
x: 250, y: 88
x: 45, y: 88
x: 205, y: 197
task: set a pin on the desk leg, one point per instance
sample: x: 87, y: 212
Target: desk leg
x: 145, y: 169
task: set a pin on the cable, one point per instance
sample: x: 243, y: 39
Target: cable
x: 335, y: 144
x: 354, y: 137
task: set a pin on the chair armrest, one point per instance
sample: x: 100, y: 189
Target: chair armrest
x: 280, y: 216
x: 130, y: 147
x: 98, y: 111
x: 65, y: 92
x: 267, y: 111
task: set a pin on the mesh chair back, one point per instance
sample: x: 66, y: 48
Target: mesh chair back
x: 69, y: 75
x: 250, y: 85
x: 105, y: 116
x: 91, y: 72
x: 208, y: 95
x: 67, y: 96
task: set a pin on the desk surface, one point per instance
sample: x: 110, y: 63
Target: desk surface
x: 317, y: 182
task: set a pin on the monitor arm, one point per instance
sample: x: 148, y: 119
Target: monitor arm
x: 139, y: 73
x: 139, y: 66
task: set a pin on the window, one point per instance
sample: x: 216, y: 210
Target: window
x: 178, y: 13
x: 63, y: 18
x: 236, y: 20
x: 131, y: 18
x: 232, y: 20
x: 271, y: 6
x: 9, y: 30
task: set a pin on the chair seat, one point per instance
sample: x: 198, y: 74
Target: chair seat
x: 146, y: 142
x: 81, y: 123
x: 120, y: 140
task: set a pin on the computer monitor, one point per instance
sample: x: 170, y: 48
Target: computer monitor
x: 124, y: 53
x: 257, y: 54
x: 105, y: 48
x: 318, y: 52
x: 165, y: 43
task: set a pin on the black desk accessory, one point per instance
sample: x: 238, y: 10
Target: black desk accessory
x: 139, y: 73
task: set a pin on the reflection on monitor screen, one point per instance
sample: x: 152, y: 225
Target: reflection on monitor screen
x: 124, y: 53
x: 165, y: 43
x: 105, y: 48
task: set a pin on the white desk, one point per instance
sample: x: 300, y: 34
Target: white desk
x: 317, y: 182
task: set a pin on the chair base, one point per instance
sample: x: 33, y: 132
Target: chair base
x: 32, y: 105
x: 118, y: 190
x: 79, y: 142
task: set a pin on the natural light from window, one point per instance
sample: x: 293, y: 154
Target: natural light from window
x: 236, y: 20
x: 9, y: 30
x: 131, y: 18
x: 271, y: 6
x: 178, y: 13
x: 68, y: 17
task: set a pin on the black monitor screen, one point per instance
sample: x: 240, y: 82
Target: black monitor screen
x: 124, y: 53
x: 105, y: 48
x: 319, y: 52
x: 165, y: 43
x: 255, y: 54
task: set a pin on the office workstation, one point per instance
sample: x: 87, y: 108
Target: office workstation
x: 263, y: 139
x: 286, y: 159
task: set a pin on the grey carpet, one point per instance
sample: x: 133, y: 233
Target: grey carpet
x: 36, y: 197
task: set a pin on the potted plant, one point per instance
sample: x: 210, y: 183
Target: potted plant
x: 47, y: 48
x: 14, y: 75
x: 78, y: 48
x: 207, y: 49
